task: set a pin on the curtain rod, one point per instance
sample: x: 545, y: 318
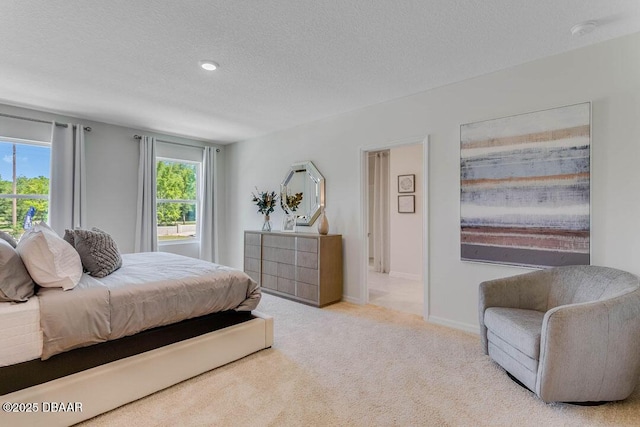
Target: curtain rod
x: 173, y: 142
x: 29, y: 119
x: 375, y: 153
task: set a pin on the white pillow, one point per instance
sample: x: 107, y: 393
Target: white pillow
x: 51, y: 262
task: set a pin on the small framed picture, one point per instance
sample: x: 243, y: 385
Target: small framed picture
x: 289, y: 224
x: 407, y: 204
x: 406, y: 183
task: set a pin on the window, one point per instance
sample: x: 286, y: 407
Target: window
x: 24, y: 184
x: 177, y: 183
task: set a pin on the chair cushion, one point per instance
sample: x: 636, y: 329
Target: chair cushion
x: 528, y: 362
x: 520, y: 328
x: 514, y: 365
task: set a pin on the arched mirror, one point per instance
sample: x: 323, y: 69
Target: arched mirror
x: 302, y: 192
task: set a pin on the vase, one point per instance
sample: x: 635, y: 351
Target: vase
x: 323, y: 223
x: 266, y: 226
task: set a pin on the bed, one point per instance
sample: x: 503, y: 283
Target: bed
x: 70, y: 355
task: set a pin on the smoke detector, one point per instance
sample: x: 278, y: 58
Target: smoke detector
x: 583, y: 28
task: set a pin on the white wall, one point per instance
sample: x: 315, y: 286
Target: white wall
x: 405, y: 246
x: 112, y: 174
x: 608, y: 74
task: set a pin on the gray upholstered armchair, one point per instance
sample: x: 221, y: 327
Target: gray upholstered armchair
x: 569, y: 334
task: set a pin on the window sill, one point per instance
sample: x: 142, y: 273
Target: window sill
x: 178, y: 242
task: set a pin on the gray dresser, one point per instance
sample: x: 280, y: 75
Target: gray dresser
x: 303, y: 267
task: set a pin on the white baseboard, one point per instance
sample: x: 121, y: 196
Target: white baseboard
x: 352, y: 300
x: 467, y: 327
x: 408, y: 276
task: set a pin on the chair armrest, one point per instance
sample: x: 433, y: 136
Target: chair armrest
x: 589, y: 351
x: 528, y: 291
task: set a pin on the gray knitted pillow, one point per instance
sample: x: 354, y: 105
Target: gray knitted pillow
x: 98, y: 251
x: 69, y: 237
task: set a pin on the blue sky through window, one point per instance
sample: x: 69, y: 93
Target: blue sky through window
x: 32, y: 160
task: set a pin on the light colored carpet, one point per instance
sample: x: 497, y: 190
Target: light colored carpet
x: 350, y: 365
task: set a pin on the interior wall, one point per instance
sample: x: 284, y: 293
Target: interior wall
x: 608, y: 74
x: 112, y: 175
x: 405, y: 246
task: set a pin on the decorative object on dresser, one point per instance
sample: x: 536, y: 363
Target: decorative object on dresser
x: 289, y: 224
x: 266, y: 202
x: 299, y: 266
x: 302, y: 192
x: 323, y: 222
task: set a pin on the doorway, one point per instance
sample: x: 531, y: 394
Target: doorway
x: 395, y: 204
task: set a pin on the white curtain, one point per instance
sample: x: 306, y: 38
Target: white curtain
x: 67, y: 205
x: 208, y: 240
x: 146, y: 237
x: 381, y: 212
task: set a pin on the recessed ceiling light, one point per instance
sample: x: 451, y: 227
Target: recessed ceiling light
x: 208, y: 65
x: 583, y: 28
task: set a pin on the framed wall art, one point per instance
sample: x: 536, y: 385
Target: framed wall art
x: 525, y: 185
x: 407, y: 204
x: 289, y: 223
x: 406, y: 183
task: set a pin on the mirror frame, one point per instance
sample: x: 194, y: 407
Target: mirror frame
x: 312, y: 173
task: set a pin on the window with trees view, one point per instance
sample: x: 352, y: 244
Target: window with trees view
x: 24, y: 184
x: 177, y: 199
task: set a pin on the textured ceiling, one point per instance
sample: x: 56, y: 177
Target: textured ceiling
x: 282, y: 62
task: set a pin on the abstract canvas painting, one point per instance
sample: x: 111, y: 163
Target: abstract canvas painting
x: 525, y: 188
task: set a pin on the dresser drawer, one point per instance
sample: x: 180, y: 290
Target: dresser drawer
x: 282, y: 242
x: 307, y: 259
x: 308, y: 292
x: 307, y: 275
x: 287, y: 286
x: 251, y: 251
x: 252, y: 239
x: 270, y: 267
x: 285, y: 256
x: 252, y: 264
x: 307, y: 244
x: 269, y: 282
x: 287, y: 271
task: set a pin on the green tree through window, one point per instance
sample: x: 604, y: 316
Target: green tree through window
x: 24, y: 183
x: 176, y: 195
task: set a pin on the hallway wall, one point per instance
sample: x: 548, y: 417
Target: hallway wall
x: 406, y: 228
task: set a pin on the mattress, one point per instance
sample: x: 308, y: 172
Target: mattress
x: 20, y: 332
x: 151, y: 289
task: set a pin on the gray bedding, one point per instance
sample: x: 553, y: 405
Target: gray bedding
x: 151, y: 289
